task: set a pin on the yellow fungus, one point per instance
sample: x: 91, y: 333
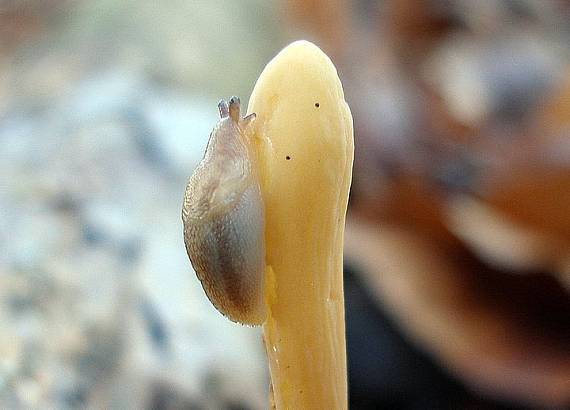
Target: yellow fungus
x: 304, y: 140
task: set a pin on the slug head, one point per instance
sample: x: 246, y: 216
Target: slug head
x: 232, y: 110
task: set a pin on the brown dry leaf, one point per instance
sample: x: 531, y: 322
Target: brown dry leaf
x: 554, y: 114
x: 405, y: 200
x: 497, y: 239
x: 537, y: 197
x: 485, y: 326
x: 327, y: 21
x: 521, y: 221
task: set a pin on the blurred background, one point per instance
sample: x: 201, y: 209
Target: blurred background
x: 457, y: 276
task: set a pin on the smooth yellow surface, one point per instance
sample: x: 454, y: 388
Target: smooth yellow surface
x: 305, y: 155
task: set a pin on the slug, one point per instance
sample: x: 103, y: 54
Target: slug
x: 223, y: 218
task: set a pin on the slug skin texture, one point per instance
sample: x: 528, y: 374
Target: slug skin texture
x: 223, y: 219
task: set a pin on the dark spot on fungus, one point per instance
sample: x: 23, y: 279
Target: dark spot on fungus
x: 317, y: 105
x: 287, y: 157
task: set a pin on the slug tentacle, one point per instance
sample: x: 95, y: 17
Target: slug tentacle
x: 247, y: 122
x: 223, y: 108
x: 223, y: 218
x: 235, y: 114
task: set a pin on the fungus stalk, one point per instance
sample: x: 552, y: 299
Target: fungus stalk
x: 304, y: 142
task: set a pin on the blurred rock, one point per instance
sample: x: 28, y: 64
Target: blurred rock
x: 99, y: 130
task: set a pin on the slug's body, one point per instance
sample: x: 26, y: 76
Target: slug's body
x: 224, y: 220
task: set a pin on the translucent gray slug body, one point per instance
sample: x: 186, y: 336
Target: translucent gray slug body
x: 223, y: 219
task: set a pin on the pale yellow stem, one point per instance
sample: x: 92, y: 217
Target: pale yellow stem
x: 305, y: 147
